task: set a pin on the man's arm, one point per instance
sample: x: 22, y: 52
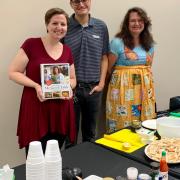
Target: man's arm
x: 104, y: 66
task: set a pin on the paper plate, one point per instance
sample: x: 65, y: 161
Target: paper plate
x: 93, y: 177
x: 149, y: 124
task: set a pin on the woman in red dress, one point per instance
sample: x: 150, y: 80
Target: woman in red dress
x: 41, y: 119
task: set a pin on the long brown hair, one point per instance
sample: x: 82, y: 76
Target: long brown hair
x: 146, y: 39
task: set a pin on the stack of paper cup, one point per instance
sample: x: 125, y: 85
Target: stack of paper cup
x: 53, y: 161
x: 35, y: 164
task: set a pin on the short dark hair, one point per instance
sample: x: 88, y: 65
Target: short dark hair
x: 54, y: 11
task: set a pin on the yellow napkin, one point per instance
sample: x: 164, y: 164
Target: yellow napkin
x: 117, y: 139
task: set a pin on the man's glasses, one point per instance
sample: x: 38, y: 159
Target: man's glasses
x: 77, y: 2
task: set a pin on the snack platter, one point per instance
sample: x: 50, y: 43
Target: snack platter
x: 170, y: 145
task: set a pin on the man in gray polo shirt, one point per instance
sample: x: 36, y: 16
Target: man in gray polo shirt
x: 89, y: 41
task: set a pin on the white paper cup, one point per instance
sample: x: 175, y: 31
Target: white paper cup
x: 52, y: 153
x: 51, y: 158
x: 52, y: 148
x: 37, y: 160
x: 35, y: 150
x: 35, y: 174
x: 132, y: 173
x: 35, y: 163
x: 35, y: 177
x: 53, y: 161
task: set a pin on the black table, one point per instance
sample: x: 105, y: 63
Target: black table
x: 139, y: 156
x: 95, y: 159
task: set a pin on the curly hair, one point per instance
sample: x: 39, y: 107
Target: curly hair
x: 146, y: 39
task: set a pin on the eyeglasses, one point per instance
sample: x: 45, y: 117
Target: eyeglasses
x: 140, y: 21
x: 77, y: 2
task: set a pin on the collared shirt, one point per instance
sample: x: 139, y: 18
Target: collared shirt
x: 88, y: 44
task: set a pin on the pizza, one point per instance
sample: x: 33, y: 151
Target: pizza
x: 170, y: 145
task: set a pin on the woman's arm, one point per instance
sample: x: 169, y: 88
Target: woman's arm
x: 72, y: 76
x: 17, y: 73
x: 152, y: 58
x: 17, y: 70
x: 111, y: 61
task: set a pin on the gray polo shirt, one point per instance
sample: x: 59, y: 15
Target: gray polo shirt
x: 88, y: 45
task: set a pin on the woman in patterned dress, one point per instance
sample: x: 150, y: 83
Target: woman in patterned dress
x: 131, y: 89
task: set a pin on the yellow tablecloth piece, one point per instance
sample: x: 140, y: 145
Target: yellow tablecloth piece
x: 117, y: 139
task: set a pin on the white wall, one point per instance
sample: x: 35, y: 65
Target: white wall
x: 22, y: 19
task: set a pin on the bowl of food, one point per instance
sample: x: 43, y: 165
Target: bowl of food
x: 168, y: 127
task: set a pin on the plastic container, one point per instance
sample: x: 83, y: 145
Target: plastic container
x: 154, y: 170
x: 146, y: 135
x: 132, y: 173
x: 144, y: 177
x: 168, y: 127
x: 135, y: 124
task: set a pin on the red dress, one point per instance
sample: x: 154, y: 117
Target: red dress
x: 37, y: 118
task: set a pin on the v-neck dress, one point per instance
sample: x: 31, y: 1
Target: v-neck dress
x: 36, y: 118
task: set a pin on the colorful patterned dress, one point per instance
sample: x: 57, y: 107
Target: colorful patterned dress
x: 131, y: 89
